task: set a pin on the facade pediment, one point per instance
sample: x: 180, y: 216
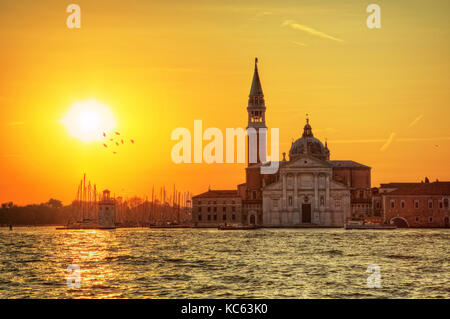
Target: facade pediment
x: 307, y: 161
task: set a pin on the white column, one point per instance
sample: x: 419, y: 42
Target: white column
x: 327, y: 197
x: 295, y: 191
x: 316, y: 192
x: 284, y: 191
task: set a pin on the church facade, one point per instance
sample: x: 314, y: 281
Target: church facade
x: 305, y: 194
x: 308, y: 190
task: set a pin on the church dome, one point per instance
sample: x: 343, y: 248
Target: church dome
x: 310, y: 145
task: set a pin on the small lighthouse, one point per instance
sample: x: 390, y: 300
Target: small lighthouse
x: 106, y: 209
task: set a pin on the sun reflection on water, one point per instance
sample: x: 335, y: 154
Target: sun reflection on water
x: 149, y: 263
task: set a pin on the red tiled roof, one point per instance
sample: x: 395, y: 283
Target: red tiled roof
x: 435, y: 188
x: 218, y: 193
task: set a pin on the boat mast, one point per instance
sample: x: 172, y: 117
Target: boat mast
x: 84, y: 195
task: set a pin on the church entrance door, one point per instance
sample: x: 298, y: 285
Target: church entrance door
x: 306, y: 213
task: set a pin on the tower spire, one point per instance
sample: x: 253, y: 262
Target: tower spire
x: 256, y: 110
x: 256, y: 89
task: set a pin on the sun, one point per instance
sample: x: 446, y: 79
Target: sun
x: 88, y: 120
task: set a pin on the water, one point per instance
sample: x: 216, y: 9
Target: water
x: 199, y: 263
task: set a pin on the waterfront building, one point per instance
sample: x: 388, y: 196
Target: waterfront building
x: 416, y: 205
x: 217, y: 207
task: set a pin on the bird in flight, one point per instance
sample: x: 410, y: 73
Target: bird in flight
x: 114, y: 140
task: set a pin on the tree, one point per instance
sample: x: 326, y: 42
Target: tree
x: 54, y: 203
x: 7, y: 205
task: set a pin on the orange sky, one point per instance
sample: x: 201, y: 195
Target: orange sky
x: 159, y: 65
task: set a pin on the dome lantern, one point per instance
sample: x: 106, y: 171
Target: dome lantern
x: 308, y: 144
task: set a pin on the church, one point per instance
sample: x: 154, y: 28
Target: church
x: 308, y: 190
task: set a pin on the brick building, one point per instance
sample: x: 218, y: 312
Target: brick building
x: 415, y: 205
x: 217, y: 207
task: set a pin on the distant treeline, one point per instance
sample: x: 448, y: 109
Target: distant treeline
x: 49, y: 213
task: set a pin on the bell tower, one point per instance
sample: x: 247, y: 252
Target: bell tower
x: 257, y: 116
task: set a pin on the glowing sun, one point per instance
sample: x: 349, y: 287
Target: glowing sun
x: 88, y: 120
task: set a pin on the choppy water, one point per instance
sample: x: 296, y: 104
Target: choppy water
x: 196, y: 263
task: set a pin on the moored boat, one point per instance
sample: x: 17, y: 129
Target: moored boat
x: 361, y: 224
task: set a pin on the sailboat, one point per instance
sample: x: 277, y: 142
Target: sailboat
x: 89, y: 213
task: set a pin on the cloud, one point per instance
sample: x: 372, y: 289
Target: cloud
x: 15, y: 123
x: 423, y: 139
x: 380, y: 140
x: 388, y: 142
x: 357, y: 141
x: 325, y: 130
x: 416, y: 120
x: 292, y: 24
x: 11, y: 156
x: 301, y: 44
x: 264, y: 13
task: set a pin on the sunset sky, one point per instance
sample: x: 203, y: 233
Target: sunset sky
x: 380, y: 96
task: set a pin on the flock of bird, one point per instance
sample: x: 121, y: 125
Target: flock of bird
x: 114, y: 140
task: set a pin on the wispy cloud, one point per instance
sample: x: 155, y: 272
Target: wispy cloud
x: 381, y: 140
x: 11, y: 155
x: 301, y: 44
x: 325, y: 130
x: 264, y: 13
x: 416, y: 120
x: 388, y: 142
x: 423, y: 139
x: 296, y: 26
x: 261, y: 15
x: 15, y: 123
